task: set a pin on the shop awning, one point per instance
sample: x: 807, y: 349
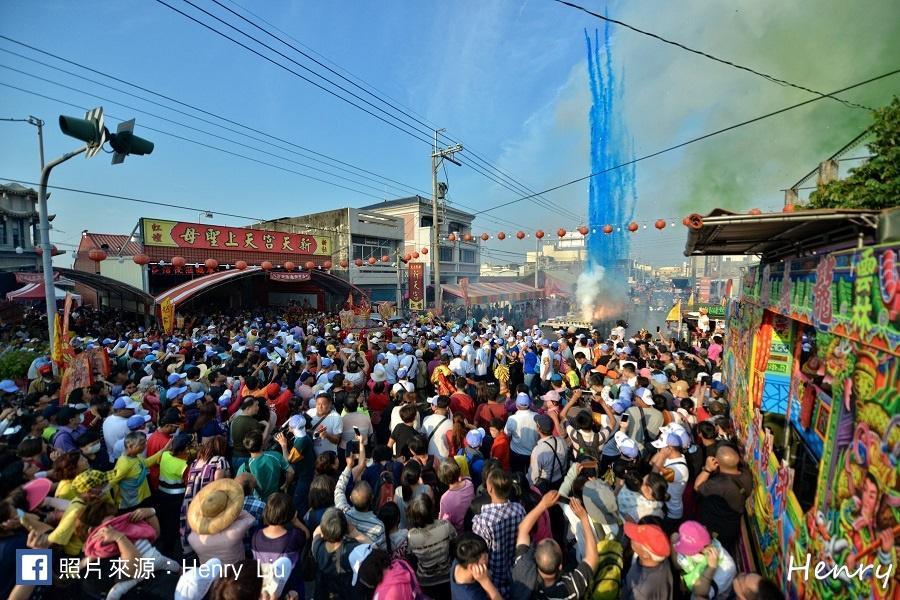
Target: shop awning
x: 35, y: 291
x: 488, y: 293
x: 187, y: 290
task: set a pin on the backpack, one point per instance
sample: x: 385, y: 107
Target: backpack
x: 399, y: 583
x: 608, y: 579
x: 386, y: 486
x: 592, y: 449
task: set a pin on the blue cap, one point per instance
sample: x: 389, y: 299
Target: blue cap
x: 136, y: 422
x: 191, y: 398
x: 327, y: 362
x: 380, y: 356
x: 392, y: 347
x: 175, y: 378
x: 122, y: 403
x: 554, y: 346
x: 149, y: 358
x: 407, y: 348
x: 717, y: 386
x: 264, y: 351
x: 556, y: 377
x: 432, y: 345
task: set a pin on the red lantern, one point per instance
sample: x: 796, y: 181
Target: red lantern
x: 755, y: 211
x: 344, y: 263
x: 385, y: 258
x: 468, y: 237
x: 266, y: 265
x: 327, y: 265
x: 289, y: 266
x: 520, y: 235
x: 607, y: 229
x: 177, y: 261
x: 408, y: 257
x: 98, y: 255
x: 660, y: 224
x: 788, y: 208
x: 415, y: 255
x: 632, y: 227
x: 583, y: 230
x: 451, y: 237
x: 240, y: 265
x: 211, y: 264
x: 358, y: 262
x: 424, y: 250
x: 372, y: 260
x: 501, y: 236
x: 561, y: 232
x: 310, y: 265
x: 539, y: 234
x: 140, y: 259
x: 485, y: 237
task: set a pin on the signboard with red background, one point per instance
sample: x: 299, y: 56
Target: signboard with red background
x: 171, y: 234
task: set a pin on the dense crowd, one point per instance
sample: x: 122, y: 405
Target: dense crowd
x: 264, y: 456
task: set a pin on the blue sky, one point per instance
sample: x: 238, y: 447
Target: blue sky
x: 507, y: 78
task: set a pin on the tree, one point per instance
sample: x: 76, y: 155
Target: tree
x: 876, y: 183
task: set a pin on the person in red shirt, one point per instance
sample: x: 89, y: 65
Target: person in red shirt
x: 500, y: 447
x: 492, y: 409
x: 157, y: 440
x: 462, y: 403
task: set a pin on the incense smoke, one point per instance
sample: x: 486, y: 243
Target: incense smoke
x: 612, y: 193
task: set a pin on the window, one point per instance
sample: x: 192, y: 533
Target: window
x: 466, y: 256
x: 446, y: 254
x: 454, y: 227
x: 364, y: 248
x: 426, y: 221
x: 18, y: 227
x: 4, y: 237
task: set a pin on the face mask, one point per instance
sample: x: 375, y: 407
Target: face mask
x: 94, y: 448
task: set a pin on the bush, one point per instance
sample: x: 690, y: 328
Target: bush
x: 876, y: 183
x: 14, y: 364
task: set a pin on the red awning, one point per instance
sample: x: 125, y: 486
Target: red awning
x: 488, y: 293
x: 185, y: 291
x: 35, y: 291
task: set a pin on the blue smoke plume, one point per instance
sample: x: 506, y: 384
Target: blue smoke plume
x: 601, y: 289
x: 612, y: 193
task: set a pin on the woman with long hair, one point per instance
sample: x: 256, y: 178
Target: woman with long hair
x: 642, y: 496
x: 321, y: 497
x: 411, y: 486
x: 209, y: 465
x: 456, y: 435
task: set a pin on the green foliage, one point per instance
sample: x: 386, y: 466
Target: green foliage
x: 876, y: 183
x: 14, y: 364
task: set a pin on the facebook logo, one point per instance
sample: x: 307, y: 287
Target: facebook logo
x: 33, y: 567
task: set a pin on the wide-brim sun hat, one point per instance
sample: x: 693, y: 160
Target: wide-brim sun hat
x: 36, y: 491
x: 215, y: 507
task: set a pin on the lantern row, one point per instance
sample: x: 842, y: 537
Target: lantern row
x: 561, y: 232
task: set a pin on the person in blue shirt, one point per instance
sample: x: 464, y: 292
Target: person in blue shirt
x: 529, y: 359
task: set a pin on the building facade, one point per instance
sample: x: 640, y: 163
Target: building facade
x: 18, y: 220
x: 459, y: 259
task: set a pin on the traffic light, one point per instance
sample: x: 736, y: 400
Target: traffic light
x: 124, y: 142
x: 81, y: 129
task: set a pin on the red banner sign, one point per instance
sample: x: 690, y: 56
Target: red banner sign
x: 34, y: 277
x: 303, y: 276
x: 214, y: 237
x: 416, y: 286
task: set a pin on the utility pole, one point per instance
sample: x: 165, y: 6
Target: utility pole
x: 437, y: 155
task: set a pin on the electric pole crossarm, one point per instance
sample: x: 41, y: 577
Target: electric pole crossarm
x: 437, y: 155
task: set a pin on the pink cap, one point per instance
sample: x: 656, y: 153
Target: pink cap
x: 36, y: 490
x: 645, y: 372
x: 692, y: 538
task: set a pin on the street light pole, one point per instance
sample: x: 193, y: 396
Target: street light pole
x: 44, y: 228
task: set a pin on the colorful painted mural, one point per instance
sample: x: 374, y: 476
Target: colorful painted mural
x: 831, y: 326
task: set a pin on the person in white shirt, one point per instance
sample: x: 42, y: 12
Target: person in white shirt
x: 353, y: 418
x: 403, y: 384
x: 327, y: 425
x: 481, y: 360
x: 546, y: 363
x: 408, y: 398
x: 115, y: 426
x: 671, y: 464
x: 408, y: 362
x: 523, y: 434
x: 435, y: 426
x: 468, y: 355
x: 392, y: 364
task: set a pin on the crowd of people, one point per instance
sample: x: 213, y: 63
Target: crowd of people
x: 261, y: 456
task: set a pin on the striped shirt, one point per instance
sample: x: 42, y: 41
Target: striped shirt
x: 366, y: 522
x: 171, y: 474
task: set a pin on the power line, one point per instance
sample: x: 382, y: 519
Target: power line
x: 696, y: 139
x: 304, y: 67
x: 199, y: 143
x: 289, y: 70
x: 187, y: 105
x: 729, y: 63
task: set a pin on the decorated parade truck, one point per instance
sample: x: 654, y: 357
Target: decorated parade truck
x: 812, y: 369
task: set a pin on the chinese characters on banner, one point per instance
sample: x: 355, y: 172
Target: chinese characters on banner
x: 277, y: 276
x: 167, y: 310
x: 416, y: 286
x: 704, y: 288
x: 173, y: 234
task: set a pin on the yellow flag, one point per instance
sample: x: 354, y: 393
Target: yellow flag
x: 691, y: 299
x: 675, y: 313
x: 167, y: 308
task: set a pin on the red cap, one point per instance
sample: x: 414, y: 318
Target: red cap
x: 651, y: 536
x: 45, y: 369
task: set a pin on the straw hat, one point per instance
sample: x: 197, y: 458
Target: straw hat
x: 215, y: 506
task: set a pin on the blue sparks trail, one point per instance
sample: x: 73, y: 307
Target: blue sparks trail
x: 613, y: 194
